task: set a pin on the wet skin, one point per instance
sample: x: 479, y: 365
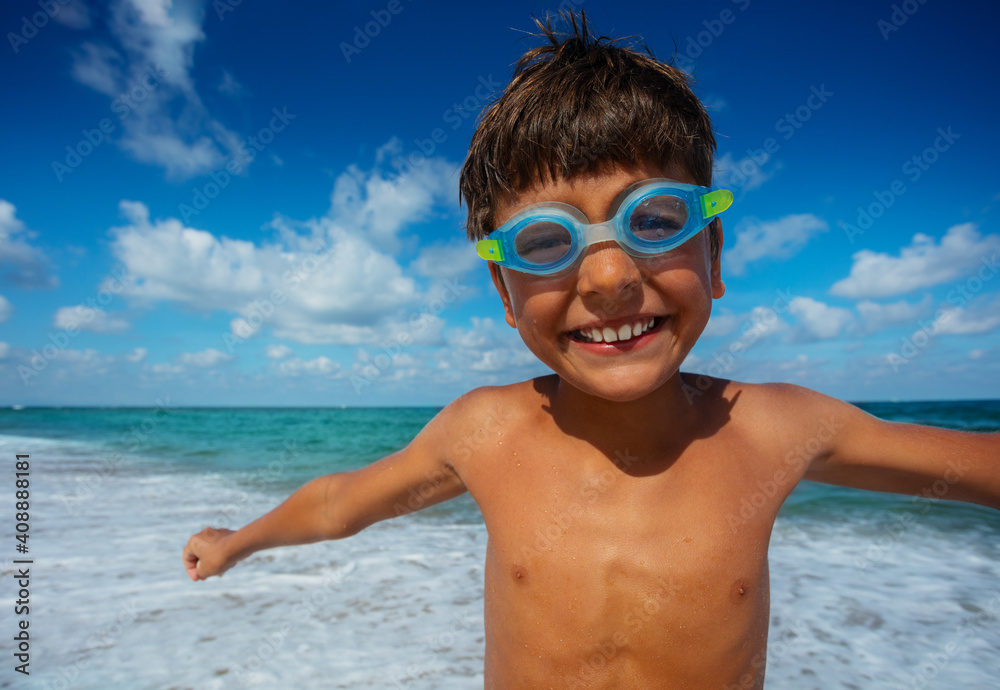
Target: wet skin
x: 629, y: 507
x: 610, y: 563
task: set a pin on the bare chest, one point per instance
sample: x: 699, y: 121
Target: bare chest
x: 592, y: 565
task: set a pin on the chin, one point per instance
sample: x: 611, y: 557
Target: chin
x: 622, y: 390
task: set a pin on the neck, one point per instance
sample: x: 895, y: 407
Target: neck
x: 658, y: 425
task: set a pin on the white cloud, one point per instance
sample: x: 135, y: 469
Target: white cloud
x: 325, y: 280
x: 721, y: 324
x: 5, y: 309
x: 818, y: 321
x: 762, y: 322
x: 136, y: 355
x: 148, y: 77
x: 278, y: 351
x: 20, y: 263
x: 320, y: 366
x: 206, y: 358
x: 740, y: 175
x: 72, y: 13
x: 229, y: 85
x: 348, y: 281
x: 447, y: 261
x: 4, y: 350
x: 384, y: 206
x: 923, y: 264
x: 714, y: 102
x: 85, y: 318
x: 99, y: 67
x: 489, y: 347
x: 759, y: 323
x: 875, y: 316
x: 979, y: 317
x: 774, y: 239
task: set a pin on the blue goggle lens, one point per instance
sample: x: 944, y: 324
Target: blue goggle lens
x: 655, y: 216
x: 658, y: 219
x: 543, y: 243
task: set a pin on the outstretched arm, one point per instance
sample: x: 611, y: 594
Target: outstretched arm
x: 865, y: 452
x: 338, y: 505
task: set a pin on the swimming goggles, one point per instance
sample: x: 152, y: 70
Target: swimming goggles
x: 652, y: 217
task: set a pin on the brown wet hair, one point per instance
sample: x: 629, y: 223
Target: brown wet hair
x: 583, y: 104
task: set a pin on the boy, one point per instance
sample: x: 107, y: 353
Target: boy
x: 588, y: 188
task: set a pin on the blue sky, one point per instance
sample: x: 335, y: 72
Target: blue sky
x: 222, y: 203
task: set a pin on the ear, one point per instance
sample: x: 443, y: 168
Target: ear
x: 504, y: 294
x: 718, y: 287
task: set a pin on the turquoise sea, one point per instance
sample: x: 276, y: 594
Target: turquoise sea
x: 868, y: 590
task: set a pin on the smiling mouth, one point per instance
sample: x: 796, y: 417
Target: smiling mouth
x: 623, y: 333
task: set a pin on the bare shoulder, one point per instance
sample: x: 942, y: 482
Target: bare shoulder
x: 783, y: 414
x: 464, y: 426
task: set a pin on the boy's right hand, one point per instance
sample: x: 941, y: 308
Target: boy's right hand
x: 206, y: 553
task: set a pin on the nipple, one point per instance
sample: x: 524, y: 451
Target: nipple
x: 520, y: 574
x: 740, y: 590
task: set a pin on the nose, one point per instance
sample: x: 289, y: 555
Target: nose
x: 607, y: 271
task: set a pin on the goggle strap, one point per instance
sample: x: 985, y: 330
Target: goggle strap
x: 714, y: 203
x: 489, y: 250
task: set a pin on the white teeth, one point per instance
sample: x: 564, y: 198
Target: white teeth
x: 623, y: 333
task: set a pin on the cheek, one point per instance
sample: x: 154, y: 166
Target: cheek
x: 537, y: 299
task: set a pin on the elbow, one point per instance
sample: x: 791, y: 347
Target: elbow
x: 336, y: 519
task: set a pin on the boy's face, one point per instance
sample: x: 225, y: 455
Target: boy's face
x: 607, y: 289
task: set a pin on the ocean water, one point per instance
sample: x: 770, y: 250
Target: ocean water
x: 868, y: 590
